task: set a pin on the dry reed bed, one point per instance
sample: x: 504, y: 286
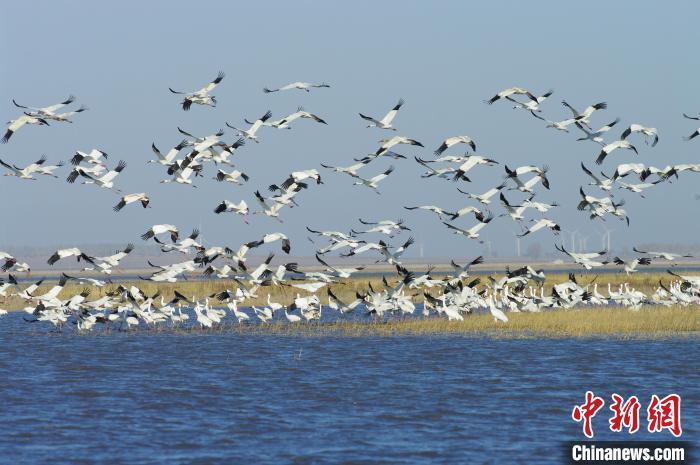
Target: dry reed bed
x: 645, y: 282
x: 649, y: 321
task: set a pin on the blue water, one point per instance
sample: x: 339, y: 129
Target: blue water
x: 223, y: 398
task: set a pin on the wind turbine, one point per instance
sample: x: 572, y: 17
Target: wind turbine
x: 582, y: 242
x: 573, y: 238
x: 605, y: 238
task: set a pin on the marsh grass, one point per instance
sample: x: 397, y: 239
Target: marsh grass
x: 649, y: 322
x: 620, y: 322
x: 345, y: 290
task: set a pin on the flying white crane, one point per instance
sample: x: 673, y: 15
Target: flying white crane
x: 160, y: 229
x: 94, y: 157
x: 182, y: 173
x: 272, y: 237
x: 665, y: 255
x: 627, y: 168
x: 48, y: 170
x: 385, y: 122
x: 17, y: 123
x: 25, y: 173
x: 349, y: 170
x: 272, y: 210
x: 484, y: 198
x: 254, y: 127
x: 648, y: 132
x: 131, y: 198
x: 284, y: 122
x: 454, y: 140
x: 201, y: 96
x: 473, y: 232
x: 336, y: 304
x: 562, y: 125
x: 306, y: 86
x: 515, y: 211
x: 295, y: 177
x: 533, y: 106
x: 169, y: 157
x: 471, y: 162
x: 105, y: 264
x: 631, y: 266
x: 390, y: 142
x: 637, y: 188
x: 106, y: 181
x: 48, y: 110
x: 233, y: 177
x: 584, y: 259
x: 585, y: 115
x: 618, y: 144
x: 70, y: 252
x: 596, y: 136
x: 539, y: 171
x: 444, y: 173
x: 373, y: 182
x: 605, y: 183
x: 388, y: 227
x: 540, y: 224
x: 511, y: 91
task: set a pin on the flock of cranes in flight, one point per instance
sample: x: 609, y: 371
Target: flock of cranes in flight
x: 453, y: 296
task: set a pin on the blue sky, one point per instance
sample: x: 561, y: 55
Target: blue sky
x: 443, y: 58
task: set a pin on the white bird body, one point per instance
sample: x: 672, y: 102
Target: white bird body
x: 618, y: 144
x: 373, y: 182
x: 386, y: 144
x: 512, y: 91
x: 291, y: 318
x: 471, y: 233
x: 17, y: 123
x: 385, y: 122
x: 605, y: 183
x: 484, y: 198
x: 240, y: 208
x: 157, y: 229
x: 647, y: 132
x: 201, y: 96
x: 131, y: 198
x: 106, y: 181
x: 305, y: 86
x: 94, y: 157
x: 440, y: 212
x: 454, y: 140
x: 168, y: 158
x: 562, y: 125
x: 251, y: 132
x: 349, y: 170
x: 596, y: 136
x: 585, y: 259
x: 268, y: 210
x: 233, y: 177
x: 27, y: 172
x: 496, y: 312
x: 284, y: 123
x: 585, y: 115
x: 540, y: 224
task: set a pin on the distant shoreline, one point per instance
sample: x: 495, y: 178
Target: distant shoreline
x: 491, y: 267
